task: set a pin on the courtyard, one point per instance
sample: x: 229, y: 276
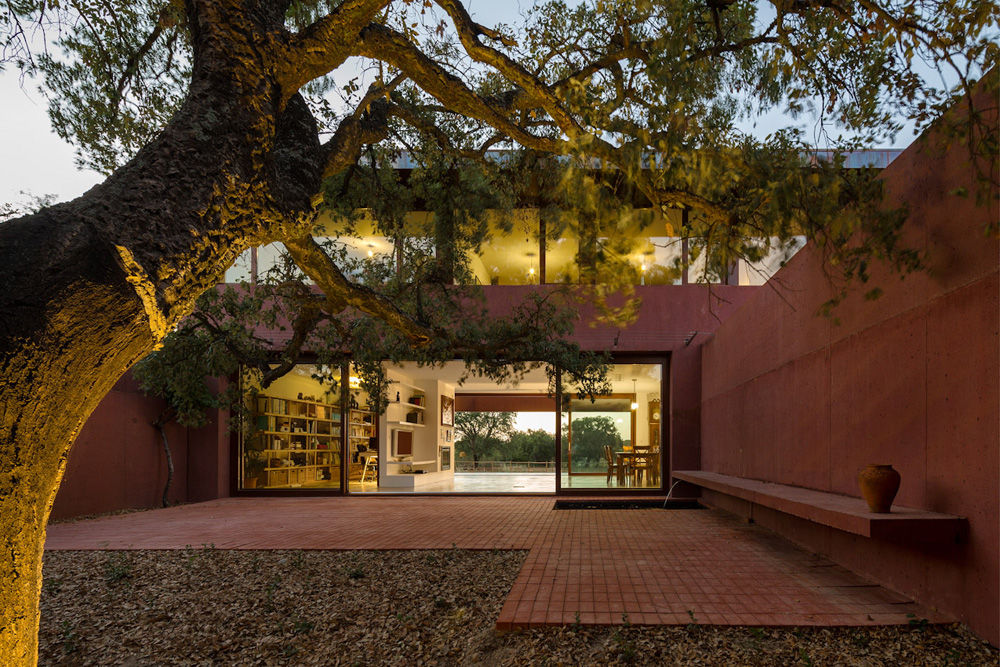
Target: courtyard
x: 593, y: 567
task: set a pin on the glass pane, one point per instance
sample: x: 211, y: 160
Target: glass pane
x: 293, y: 439
x: 510, y: 256
x: 362, y: 438
x: 613, y: 441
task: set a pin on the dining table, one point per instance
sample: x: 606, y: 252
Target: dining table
x: 626, y: 464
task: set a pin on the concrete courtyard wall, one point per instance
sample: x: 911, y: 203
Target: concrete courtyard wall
x: 911, y: 379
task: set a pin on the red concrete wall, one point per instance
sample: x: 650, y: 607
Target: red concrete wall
x: 911, y: 379
x: 117, y: 462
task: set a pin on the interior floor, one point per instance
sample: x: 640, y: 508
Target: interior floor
x: 500, y: 482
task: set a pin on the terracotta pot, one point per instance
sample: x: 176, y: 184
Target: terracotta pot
x: 249, y: 482
x: 879, y: 484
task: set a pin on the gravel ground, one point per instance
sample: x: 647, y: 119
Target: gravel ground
x: 207, y: 606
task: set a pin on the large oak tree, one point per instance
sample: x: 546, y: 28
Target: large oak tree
x: 214, y: 123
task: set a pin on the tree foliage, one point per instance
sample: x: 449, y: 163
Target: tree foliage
x: 653, y: 89
x: 477, y: 432
x: 590, y: 436
x: 533, y: 445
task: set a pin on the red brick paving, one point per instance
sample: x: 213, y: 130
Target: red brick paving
x: 593, y: 566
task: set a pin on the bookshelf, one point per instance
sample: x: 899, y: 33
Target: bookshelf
x: 409, y: 406
x: 361, y: 429
x: 300, y: 441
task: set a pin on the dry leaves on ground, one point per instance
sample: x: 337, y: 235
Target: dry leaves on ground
x: 208, y: 606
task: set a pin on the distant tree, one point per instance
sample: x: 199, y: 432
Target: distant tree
x: 533, y: 445
x: 478, y: 431
x: 590, y: 435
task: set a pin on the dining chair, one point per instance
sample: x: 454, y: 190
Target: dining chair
x: 641, y: 467
x: 609, y: 458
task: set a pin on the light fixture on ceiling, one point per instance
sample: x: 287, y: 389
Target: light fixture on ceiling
x: 635, y: 403
x: 371, y: 250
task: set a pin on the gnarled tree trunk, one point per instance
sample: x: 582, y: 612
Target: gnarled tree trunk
x: 92, y: 285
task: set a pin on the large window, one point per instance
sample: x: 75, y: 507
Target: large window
x: 443, y: 431
x: 613, y: 441
x: 293, y: 436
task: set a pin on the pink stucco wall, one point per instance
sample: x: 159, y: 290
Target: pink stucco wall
x: 911, y: 379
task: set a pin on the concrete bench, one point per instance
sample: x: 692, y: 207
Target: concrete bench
x: 844, y: 513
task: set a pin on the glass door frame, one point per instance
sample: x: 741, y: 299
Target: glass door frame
x: 663, y: 359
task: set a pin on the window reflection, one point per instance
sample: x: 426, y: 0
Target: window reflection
x: 613, y: 441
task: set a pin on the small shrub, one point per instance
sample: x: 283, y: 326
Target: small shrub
x: 117, y: 568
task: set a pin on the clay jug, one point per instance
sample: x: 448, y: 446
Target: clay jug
x: 879, y: 484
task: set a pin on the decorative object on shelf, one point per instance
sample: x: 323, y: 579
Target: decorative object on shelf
x: 879, y: 484
x: 447, y: 411
x: 397, y: 397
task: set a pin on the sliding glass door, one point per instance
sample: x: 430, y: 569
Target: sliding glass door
x: 613, y: 441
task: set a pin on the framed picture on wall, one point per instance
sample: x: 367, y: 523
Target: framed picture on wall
x: 447, y: 411
x: 447, y: 435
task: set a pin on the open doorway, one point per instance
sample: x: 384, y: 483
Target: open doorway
x: 484, y: 437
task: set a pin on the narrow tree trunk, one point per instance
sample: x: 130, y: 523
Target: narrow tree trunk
x: 160, y: 426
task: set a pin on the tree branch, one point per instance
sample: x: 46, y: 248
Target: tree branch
x: 341, y: 293
x: 381, y: 43
x: 326, y: 44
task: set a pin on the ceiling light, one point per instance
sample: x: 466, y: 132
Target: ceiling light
x: 635, y: 404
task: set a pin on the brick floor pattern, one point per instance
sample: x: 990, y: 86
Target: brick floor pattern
x: 644, y: 567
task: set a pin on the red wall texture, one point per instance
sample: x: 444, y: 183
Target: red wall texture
x: 911, y: 379
x: 117, y: 461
